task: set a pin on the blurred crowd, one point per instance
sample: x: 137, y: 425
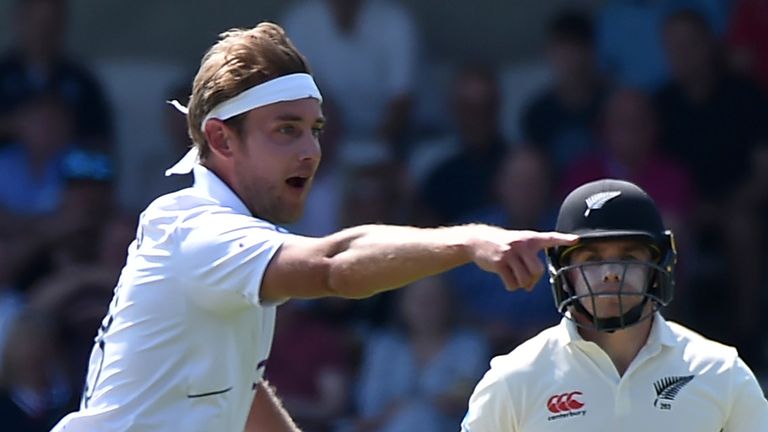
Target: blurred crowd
x: 670, y: 94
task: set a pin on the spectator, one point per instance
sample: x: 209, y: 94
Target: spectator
x: 464, y: 181
x: 34, y: 159
x: 77, y: 294
x: 37, y: 64
x: 713, y: 121
x: 87, y: 203
x: 747, y: 33
x: 560, y: 120
x: 524, y: 192
x: 363, y: 53
x: 710, y: 119
x: 316, y: 392
x: 35, y: 391
x: 375, y: 191
x: 419, y: 376
x: 630, y: 150
x: 746, y: 233
x: 70, y: 234
x: 629, y: 42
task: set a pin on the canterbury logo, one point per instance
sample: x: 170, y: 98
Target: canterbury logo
x: 560, y: 403
x: 667, y: 388
x: 598, y: 200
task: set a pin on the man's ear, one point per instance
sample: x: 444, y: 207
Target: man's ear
x: 220, y: 138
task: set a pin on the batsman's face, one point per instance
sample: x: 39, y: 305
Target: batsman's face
x: 277, y: 157
x: 611, y: 275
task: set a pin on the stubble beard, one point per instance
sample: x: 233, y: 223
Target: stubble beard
x: 264, y: 201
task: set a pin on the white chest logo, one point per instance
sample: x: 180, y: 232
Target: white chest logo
x: 597, y: 200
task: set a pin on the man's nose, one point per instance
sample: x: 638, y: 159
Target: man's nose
x: 612, y: 273
x: 310, y: 151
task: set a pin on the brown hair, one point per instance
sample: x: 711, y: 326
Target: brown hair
x: 242, y: 58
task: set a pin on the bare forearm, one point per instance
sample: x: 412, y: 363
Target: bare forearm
x: 375, y: 258
x: 268, y: 414
x: 362, y: 261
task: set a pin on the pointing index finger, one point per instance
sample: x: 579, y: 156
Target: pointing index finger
x: 554, y: 238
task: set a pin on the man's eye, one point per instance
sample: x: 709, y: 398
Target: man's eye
x: 317, y: 131
x: 287, y: 129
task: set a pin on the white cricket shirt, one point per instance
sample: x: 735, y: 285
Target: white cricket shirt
x: 557, y: 381
x: 186, y: 337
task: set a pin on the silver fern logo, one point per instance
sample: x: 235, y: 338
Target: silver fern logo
x: 668, y: 388
x: 598, y: 200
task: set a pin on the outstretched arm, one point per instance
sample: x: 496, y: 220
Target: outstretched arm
x: 361, y: 261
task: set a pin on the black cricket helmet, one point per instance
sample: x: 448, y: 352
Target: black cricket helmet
x: 605, y: 210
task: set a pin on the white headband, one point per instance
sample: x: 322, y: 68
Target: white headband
x: 285, y: 88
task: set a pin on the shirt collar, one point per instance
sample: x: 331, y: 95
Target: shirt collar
x: 207, y: 182
x: 661, y: 332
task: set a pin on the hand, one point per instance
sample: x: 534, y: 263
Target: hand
x: 513, y: 255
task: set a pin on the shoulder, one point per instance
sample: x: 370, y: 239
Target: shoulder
x: 188, y: 215
x: 529, y: 358
x: 176, y: 205
x: 697, y: 349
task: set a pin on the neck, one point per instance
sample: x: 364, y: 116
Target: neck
x: 621, y: 346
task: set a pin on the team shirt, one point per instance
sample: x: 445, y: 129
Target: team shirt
x: 679, y: 381
x: 186, y: 338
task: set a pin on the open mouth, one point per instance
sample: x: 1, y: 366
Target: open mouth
x: 297, y: 182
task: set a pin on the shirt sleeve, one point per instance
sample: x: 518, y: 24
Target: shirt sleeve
x: 490, y: 406
x: 222, y: 258
x: 749, y: 408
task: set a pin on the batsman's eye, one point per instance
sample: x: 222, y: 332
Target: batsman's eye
x: 290, y: 130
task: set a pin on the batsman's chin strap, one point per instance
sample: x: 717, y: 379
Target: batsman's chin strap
x: 631, y: 317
